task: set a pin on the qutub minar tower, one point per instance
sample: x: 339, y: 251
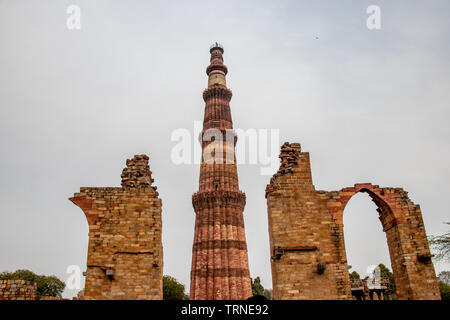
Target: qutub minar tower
x: 219, y: 254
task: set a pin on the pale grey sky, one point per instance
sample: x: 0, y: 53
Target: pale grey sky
x: 369, y: 106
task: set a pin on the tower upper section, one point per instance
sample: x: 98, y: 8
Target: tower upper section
x: 216, y: 70
x: 217, y: 96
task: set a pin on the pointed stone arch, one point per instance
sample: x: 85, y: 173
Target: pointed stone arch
x: 406, y: 238
x: 309, y: 260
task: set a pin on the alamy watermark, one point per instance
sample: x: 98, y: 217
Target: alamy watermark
x: 73, y: 21
x: 374, y: 273
x: 373, y: 21
x: 74, y: 279
x: 253, y: 146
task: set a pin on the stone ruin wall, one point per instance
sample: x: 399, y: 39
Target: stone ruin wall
x: 17, y: 290
x: 125, y: 254
x: 307, y: 241
x: 296, y: 213
x: 370, y: 289
x: 52, y: 298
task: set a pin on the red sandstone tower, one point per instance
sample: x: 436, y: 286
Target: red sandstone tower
x: 219, y: 254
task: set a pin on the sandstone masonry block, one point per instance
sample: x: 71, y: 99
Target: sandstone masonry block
x: 125, y: 255
x: 307, y: 239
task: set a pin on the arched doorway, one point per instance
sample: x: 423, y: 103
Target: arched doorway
x: 366, y: 248
x: 409, y: 252
x: 306, y: 232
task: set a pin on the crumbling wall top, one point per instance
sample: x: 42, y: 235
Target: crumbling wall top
x: 137, y: 173
x: 289, y: 155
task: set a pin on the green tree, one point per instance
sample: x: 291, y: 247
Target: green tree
x: 173, y: 290
x: 355, y: 275
x: 442, y: 245
x: 258, y: 289
x: 386, y: 273
x: 46, y: 285
x: 445, y: 290
x: 268, y: 294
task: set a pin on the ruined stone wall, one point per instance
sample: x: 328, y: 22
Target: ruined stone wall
x: 307, y: 239
x: 300, y: 230
x: 370, y: 289
x: 402, y: 222
x: 125, y: 255
x: 52, y: 298
x: 17, y: 290
x: 79, y: 296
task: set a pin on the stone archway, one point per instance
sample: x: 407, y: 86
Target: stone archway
x: 308, y: 257
x: 406, y: 238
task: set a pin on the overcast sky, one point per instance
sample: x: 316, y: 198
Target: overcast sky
x: 369, y: 106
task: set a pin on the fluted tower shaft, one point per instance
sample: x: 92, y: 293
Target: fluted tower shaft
x: 219, y: 254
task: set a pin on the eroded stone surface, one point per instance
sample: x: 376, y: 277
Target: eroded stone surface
x: 125, y: 255
x: 17, y: 290
x: 306, y: 232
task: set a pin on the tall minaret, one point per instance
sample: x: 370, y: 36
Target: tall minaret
x: 219, y: 254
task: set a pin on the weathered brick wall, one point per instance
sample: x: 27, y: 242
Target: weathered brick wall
x: 125, y: 255
x: 52, y: 298
x: 17, y: 290
x: 300, y: 226
x: 79, y: 296
x: 370, y: 289
x: 307, y: 240
x: 409, y: 251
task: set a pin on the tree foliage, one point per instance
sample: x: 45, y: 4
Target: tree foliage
x: 355, y: 275
x: 445, y: 290
x: 267, y: 293
x: 173, y: 290
x: 46, y: 285
x: 386, y: 273
x: 258, y: 289
x: 442, y: 245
